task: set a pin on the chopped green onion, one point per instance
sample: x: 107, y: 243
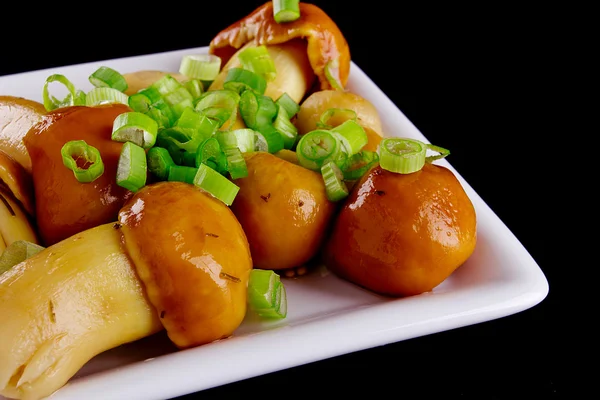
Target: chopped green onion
x: 358, y: 164
x: 443, y: 153
x: 226, y: 139
x: 51, y: 102
x: 284, y: 126
x: 166, y: 84
x: 209, y: 152
x: 220, y: 105
x: 84, y: 160
x: 195, y: 87
x: 132, y: 167
x: 159, y: 162
x: 182, y: 173
x: 258, y: 59
x: 17, y: 252
x: 216, y: 184
x: 352, y: 136
x: 196, y: 124
x: 286, y: 10
x: 105, y: 95
x: 135, y: 127
x: 179, y: 100
x: 290, y: 105
x: 163, y: 114
x: 240, y: 79
x: 402, y: 155
x: 266, y: 294
x: 204, y: 67
x: 316, y: 147
x: 332, y: 73
x: 246, y: 139
x: 335, y: 187
x: 337, y: 113
x: 181, y: 146
x: 268, y: 139
x: 257, y: 110
x: 236, y: 165
x: 108, y: 77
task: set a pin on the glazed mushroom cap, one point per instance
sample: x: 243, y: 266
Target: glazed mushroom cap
x: 326, y: 43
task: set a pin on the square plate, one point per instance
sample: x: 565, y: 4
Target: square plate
x: 327, y: 316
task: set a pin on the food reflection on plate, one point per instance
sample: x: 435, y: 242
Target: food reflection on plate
x: 180, y: 201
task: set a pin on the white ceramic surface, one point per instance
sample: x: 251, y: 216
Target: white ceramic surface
x: 327, y: 317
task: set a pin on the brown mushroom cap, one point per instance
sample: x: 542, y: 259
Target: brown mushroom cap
x: 326, y: 43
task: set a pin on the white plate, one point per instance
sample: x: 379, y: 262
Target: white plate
x: 327, y: 317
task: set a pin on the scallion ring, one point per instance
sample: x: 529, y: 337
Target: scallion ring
x: 266, y: 294
x: 258, y: 59
x: 316, y: 147
x: 182, y: 173
x: 286, y: 10
x: 204, y: 67
x: 51, y: 102
x: 240, y: 79
x: 135, y: 127
x: 402, y: 155
x: 159, y: 162
x: 352, y: 136
x: 236, y: 165
x: 216, y: 184
x: 108, y: 77
x: 210, y: 153
x: 220, y: 105
x: 84, y: 160
x: 132, y: 167
x: 105, y: 95
x: 335, y: 187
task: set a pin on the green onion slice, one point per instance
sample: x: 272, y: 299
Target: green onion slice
x: 226, y: 139
x: 166, y: 84
x: 316, y: 147
x: 246, y: 139
x: 181, y: 146
x: 286, y: 128
x: 51, y: 102
x: 236, y: 165
x: 286, y: 10
x: 84, y: 160
x: 159, y: 162
x: 135, y: 127
x: 352, y: 136
x: 442, y: 153
x: 337, y: 114
x: 17, y: 252
x: 195, y: 87
x: 105, y: 95
x: 266, y: 294
x: 220, y: 105
x: 240, y: 79
x: 132, y: 167
x: 358, y: 164
x: 204, y: 67
x: 335, y: 187
x: 268, y: 139
x: 257, y: 110
x: 258, y: 59
x: 108, y: 77
x: 290, y: 105
x: 210, y: 153
x: 402, y: 155
x: 332, y: 73
x: 182, y: 173
x: 216, y: 184
x: 199, y: 125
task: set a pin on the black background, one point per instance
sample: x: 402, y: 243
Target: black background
x: 470, y: 79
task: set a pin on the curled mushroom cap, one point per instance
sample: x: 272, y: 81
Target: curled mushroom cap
x: 326, y: 43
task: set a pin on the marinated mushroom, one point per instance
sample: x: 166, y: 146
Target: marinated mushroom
x: 327, y: 48
x: 63, y: 205
x: 195, y: 265
x: 284, y: 211
x: 17, y: 116
x: 122, y: 281
x: 402, y: 234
